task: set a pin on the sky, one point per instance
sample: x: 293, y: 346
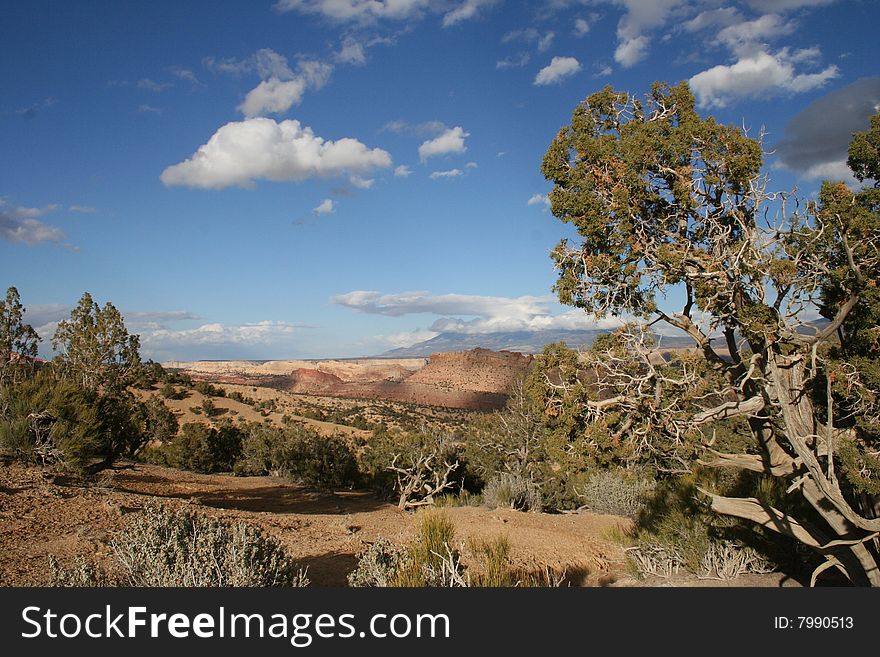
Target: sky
x: 337, y: 178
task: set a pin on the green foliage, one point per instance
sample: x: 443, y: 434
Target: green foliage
x: 169, y: 391
x: 384, y: 446
x: 201, y: 448
x: 18, y: 341
x: 95, y: 349
x: 163, y: 547
x: 864, y: 152
x: 56, y: 422
x: 300, y: 454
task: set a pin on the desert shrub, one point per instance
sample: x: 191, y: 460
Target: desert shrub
x: 377, y: 565
x: 512, y: 491
x: 493, y: 562
x: 157, y: 421
x: 676, y: 530
x: 208, y: 407
x: 83, y: 573
x: 406, y: 449
x: 617, y: 492
x: 201, y: 448
x: 163, y: 547
x: 209, y: 390
x: 168, y: 391
x: 59, y: 423
x: 300, y: 454
x: 430, y: 558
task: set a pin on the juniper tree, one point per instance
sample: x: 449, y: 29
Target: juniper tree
x: 94, y: 347
x: 670, y: 205
x: 18, y: 341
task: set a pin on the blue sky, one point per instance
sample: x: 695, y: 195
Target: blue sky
x: 329, y: 178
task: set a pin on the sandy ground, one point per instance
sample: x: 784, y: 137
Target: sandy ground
x: 43, y: 514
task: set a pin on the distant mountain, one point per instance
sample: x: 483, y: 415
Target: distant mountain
x: 526, y: 342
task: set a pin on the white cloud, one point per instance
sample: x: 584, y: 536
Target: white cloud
x: 361, y: 183
x: 408, y: 303
x: 545, y: 42
x: 530, y: 35
x: 409, y: 338
x: 326, y: 207
x: 352, y: 52
x: 471, y: 165
x: 517, y: 61
x: 402, y: 171
x: 283, y: 88
x: 465, y: 11
x: 265, y: 332
x: 758, y: 73
x: 631, y: 51
x: 85, y: 209
x: 581, y: 27
x: 186, y: 75
x: 450, y: 141
x: 490, y: 314
x: 713, y: 18
x: 765, y: 28
x: 148, y: 109
x: 20, y: 224
x: 539, y: 199
x: 363, y: 11
x: 559, y: 69
x: 640, y: 17
x: 242, y: 152
x: 784, y: 5
x: 272, y: 96
x: 451, y: 173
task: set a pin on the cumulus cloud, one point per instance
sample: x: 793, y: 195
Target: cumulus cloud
x: 757, y: 74
x: 539, y: 199
x: 557, y: 70
x: 283, y: 88
x: 713, y: 18
x: 20, y: 224
x: 581, y: 27
x: 402, y: 171
x: 814, y: 146
x: 237, y: 340
x: 409, y: 338
x: 272, y: 96
x: 450, y: 141
x: 354, y: 10
x: 409, y: 303
x: 450, y: 173
x: 326, y: 207
x: 488, y: 314
x: 765, y: 28
x: 465, y: 11
x: 241, y: 152
x: 639, y: 18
